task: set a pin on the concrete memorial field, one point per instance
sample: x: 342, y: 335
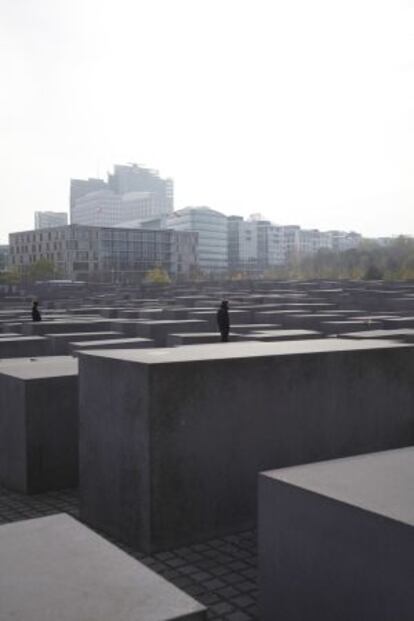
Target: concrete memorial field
x: 124, y: 409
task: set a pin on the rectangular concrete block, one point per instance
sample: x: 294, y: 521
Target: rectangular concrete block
x: 172, y: 439
x: 284, y: 335
x: 158, y: 330
x: 39, y: 424
x: 20, y: 346
x: 202, y: 338
x: 336, y: 540
x: 137, y: 343
x: 59, y: 344
x: 59, y: 327
x: 56, y: 569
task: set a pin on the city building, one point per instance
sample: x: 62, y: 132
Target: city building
x: 80, y: 187
x: 47, y: 219
x: 341, y: 240
x: 134, y: 178
x: 242, y: 245
x: 211, y: 227
x: 4, y: 256
x: 105, y: 254
x: 256, y: 245
x: 132, y: 193
x: 100, y: 208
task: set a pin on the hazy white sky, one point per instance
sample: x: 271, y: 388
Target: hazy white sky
x: 301, y: 110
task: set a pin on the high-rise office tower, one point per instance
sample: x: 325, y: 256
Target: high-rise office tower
x: 47, y: 219
x: 139, y: 192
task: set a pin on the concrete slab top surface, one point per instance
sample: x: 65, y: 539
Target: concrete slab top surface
x: 378, y: 482
x: 67, y: 335
x: 121, y: 341
x: 379, y: 334
x: 39, y: 368
x: 54, y: 568
x: 22, y: 339
x: 169, y: 322
x: 244, y: 349
x: 284, y: 332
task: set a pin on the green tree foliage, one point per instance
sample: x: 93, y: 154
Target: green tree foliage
x: 157, y: 276
x: 41, y: 270
x: 369, y: 261
x: 10, y: 277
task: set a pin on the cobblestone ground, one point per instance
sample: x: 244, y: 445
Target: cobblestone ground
x: 220, y: 573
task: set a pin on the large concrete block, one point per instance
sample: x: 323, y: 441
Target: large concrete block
x: 202, y: 338
x: 39, y: 424
x: 336, y: 540
x: 172, y: 439
x: 284, y: 335
x: 158, y: 330
x: 137, y: 343
x: 60, y: 343
x: 62, y: 326
x: 20, y: 346
x: 406, y: 335
x: 54, y: 568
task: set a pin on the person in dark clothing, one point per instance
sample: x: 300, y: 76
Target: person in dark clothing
x: 36, y: 316
x: 223, y: 321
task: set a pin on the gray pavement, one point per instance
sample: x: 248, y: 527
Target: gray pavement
x: 220, y: 573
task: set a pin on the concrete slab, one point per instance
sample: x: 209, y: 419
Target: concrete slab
x: 61, y: 326
x: 55, y: 568
x: 59, y: 344
x: 159, y: 329
x: 201, y: 338
x: 284, y: 335
x: 173, y: 438
x: 39, y: 424
x: 405, y: 335
x: 336, y: 539
x: 134, y: 343
x: 21, y: 346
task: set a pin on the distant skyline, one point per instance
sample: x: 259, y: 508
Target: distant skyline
x: 302, y: 111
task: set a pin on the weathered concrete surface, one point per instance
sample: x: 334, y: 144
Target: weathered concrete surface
x: 59, y: 344
x: 20, y: 346
x: 336, y: 540
x: 54, y: 568
x: 284, y: 335
x: 172, y: 439
x: 39, y: 424
x: 158, y: 330
x: 202, y: 338
x: 62, y: 326
x: 133, y: 343
x: 405, y: 335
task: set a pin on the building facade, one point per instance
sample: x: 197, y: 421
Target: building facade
x: 211, y: 227
x: 48, y: 219
x: 4, y: 257
x: 257, y: 245
x: 242, y: 245
x: 132, y: 192
x: 80, y: 187
x: 105, y: 254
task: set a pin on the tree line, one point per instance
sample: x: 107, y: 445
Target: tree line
x: 368, y: 261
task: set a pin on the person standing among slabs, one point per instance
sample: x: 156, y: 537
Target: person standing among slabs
x: 223, y: 321
x: 36, y: 316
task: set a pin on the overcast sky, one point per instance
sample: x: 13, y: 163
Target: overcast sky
x: 301, y: 110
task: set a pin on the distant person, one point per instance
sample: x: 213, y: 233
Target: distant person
x: 223, y: 321
x: 36, y: 316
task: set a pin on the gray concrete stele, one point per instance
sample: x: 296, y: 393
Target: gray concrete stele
x: 336, y: 540
x: 55, y: 569
x: 172, y: 439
